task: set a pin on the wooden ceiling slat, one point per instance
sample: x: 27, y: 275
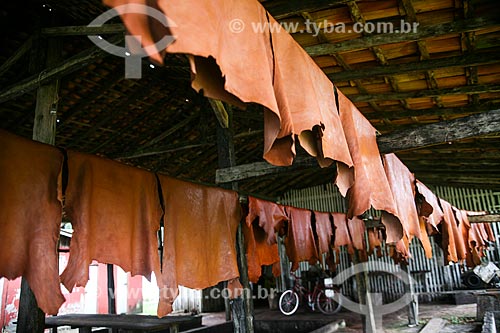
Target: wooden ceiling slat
x: 388, y: 38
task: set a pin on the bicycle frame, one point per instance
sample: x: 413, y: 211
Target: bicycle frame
x: 304, y: 293
x: 317, y: 298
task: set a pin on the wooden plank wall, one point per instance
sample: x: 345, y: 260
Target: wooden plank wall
x: 432, y: 277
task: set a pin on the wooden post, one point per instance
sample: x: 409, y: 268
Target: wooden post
x: 413, y: 306
x: 242, y: 307
x: 284, y: 264
x: 30, y: 317
x: 364, y: 297
x: 111, y: 289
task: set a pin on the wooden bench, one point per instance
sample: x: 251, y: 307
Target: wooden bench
x: 122, y: 323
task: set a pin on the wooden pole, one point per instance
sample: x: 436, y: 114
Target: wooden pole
x: 111, y: 289
x: 364, y: 296
x: 31, y: 318
x: 242, y: 307
x: 413, y: 306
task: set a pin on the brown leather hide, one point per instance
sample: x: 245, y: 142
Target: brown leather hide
x: 371, y: 187
x: 324, y: 231
x: 251, y: 65
x: 401, y: 182
x: 299, y: 242
x: 271, y: 217
x: 375, y: 240
x: 452, y: 240
x: 400, y: 251
x: 357, y: 232
x: 30, y: 216
x: 424, y: 237
x: 472, y: 258
x: 199, y: 238
x: 341, y: 232
x: 115, y: 212
x: 306, y: 104
x: 259, y: 252
x: 429, y: 208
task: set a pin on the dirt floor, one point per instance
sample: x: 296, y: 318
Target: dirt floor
x: 460, y: 318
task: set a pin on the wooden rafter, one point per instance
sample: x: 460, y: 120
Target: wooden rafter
x: 73, y: 64
x: 358, y: 18
x: 84, y: 30
x: 110, y: 115
x: 389, y: 38
x: 462, y: 90
x: 180, y: 146
x: 474, y: 59
x: 284, y: 8
x: 21, y: 51
x: 465, y: 110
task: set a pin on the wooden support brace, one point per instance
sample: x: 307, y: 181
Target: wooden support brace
x: 16, y: 56
x: 220, y: 112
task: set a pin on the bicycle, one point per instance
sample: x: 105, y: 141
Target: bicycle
x: 322, y: 297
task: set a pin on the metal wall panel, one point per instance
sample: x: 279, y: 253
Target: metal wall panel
x: 432, y: 276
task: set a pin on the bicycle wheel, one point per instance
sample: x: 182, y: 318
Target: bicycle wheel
x: 289, y: 302
x: 326, y: 304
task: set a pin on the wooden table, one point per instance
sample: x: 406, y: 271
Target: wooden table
x: 122, y: 323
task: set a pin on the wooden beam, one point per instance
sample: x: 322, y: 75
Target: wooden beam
x: 462, y: 90
x: 473, y: 126
x: 84, y: 30
x: 220, y: 112
x: 210, y: 141
x: 31, y: 318
x: 56, y: 71
x: 172, y: 129
x: 21, y: 51
x: 474, y: 59
x: 438, y: 133
x: 465, y: 156
x: 442, y: 169
x: 468, y: 165
x: 163, y: 150
x: 465, y: 110
x: 245, y: 171
x: 455, y: 27
x: 488, y: 218
x: 284, y: 8
x: 479, y: 181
